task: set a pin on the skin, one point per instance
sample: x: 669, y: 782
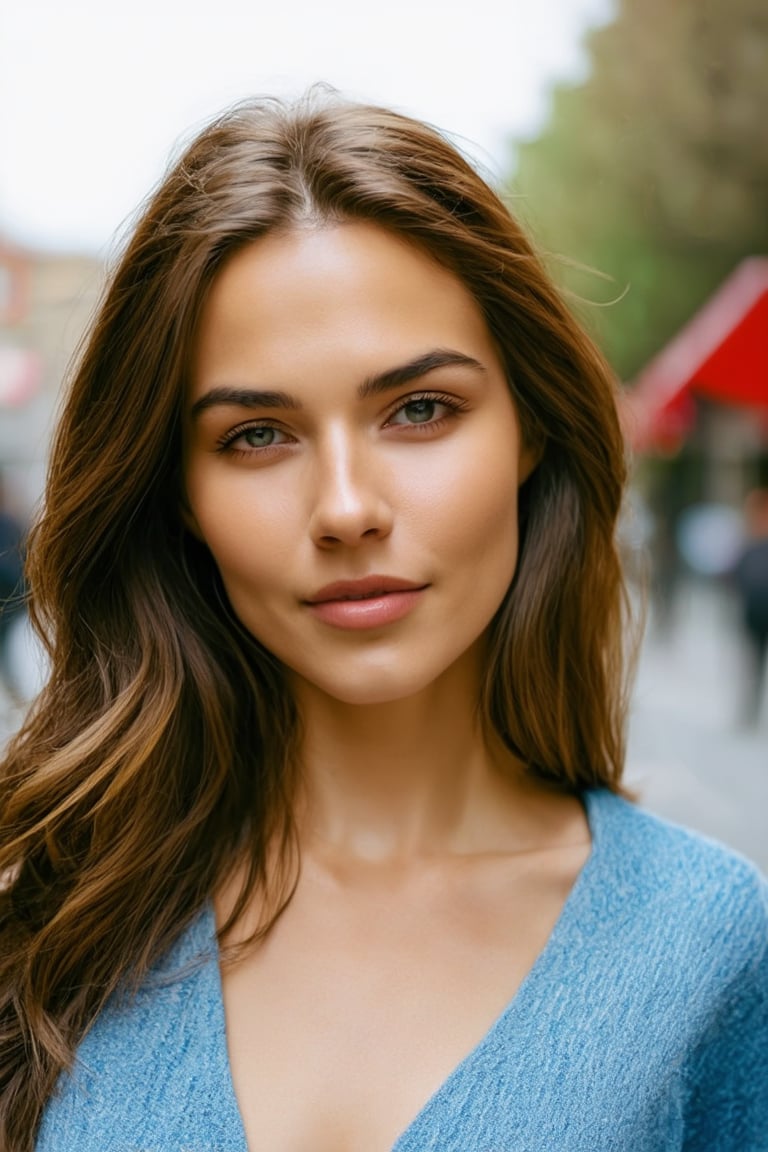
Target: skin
x: 433, y: 869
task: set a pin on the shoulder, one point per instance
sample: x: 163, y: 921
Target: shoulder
x: 679, y: 887
x: 152, y: 1071
x: 678, y: 931
x: 658, y: 851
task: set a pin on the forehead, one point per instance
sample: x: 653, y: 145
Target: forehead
x: 347, y: 298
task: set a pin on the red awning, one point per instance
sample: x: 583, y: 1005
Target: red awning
x: 722, y: 353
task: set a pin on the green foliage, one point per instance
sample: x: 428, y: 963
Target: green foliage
x: 654, y: 172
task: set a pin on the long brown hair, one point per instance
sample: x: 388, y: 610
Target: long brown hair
x: 129, y: 793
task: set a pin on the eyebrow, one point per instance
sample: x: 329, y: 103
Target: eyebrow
x: 372, y: 386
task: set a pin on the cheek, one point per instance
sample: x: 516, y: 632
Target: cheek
x: 474, y: 508
x: 247, y: 536
x: 491, y: 537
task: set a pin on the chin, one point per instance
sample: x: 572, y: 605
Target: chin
x: 368, y: 693
x: 381, y: 685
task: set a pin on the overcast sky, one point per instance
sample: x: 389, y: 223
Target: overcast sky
x: 96, y: 94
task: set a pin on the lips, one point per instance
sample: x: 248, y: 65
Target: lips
x: 363, y: 605
x: 369, y: 587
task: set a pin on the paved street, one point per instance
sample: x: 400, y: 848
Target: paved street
x: 689, y: 758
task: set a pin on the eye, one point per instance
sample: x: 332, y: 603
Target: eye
x: 425, y: 410
x: 261, y: 437
x: 248, y: 439
x: 416, y: 412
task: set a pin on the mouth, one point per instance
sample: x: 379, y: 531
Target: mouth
x: 360, y: 605
x: 368, y: 588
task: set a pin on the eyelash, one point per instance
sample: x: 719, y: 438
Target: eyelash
x: 452, y: 403
x: 226, y: 442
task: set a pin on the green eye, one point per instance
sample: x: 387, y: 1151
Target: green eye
x: 425, y: 410
x: 260, y: 437
x: 419, y: 411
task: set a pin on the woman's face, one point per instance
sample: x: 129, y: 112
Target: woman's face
x: 352, y: 459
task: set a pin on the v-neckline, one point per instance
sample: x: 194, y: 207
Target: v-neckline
x: 537, y: 972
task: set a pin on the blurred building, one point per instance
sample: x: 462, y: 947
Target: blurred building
x: 704, y: 397
x: 46, y: 301
x: 697, y: 419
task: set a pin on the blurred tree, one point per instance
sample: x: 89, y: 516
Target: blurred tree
x: 654, y: 172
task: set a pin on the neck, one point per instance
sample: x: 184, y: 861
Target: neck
x: 409, y: 778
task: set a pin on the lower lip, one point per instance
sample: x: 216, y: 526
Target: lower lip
x: 372, y: 612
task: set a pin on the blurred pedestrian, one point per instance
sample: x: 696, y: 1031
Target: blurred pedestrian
x: 751, y: 580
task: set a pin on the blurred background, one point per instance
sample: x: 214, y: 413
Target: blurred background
x: 630, y: 137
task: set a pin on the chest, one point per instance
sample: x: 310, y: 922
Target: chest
x: 360, y: 1004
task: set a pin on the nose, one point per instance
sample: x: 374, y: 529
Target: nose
x: 348, y: 501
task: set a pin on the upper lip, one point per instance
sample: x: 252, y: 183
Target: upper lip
x: 367, y: 586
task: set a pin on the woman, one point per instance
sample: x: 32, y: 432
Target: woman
x: 315, y: 838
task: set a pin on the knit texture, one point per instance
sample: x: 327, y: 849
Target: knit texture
x: 642, y: 1027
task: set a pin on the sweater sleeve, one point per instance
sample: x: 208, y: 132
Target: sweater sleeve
x: 728, y: 1087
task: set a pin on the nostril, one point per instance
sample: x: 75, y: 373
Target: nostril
x: 348, y: 523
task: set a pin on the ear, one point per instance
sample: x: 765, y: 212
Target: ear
x: 530, y: 458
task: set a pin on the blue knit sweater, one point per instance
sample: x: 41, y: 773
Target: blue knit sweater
x: 642, y: 1027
